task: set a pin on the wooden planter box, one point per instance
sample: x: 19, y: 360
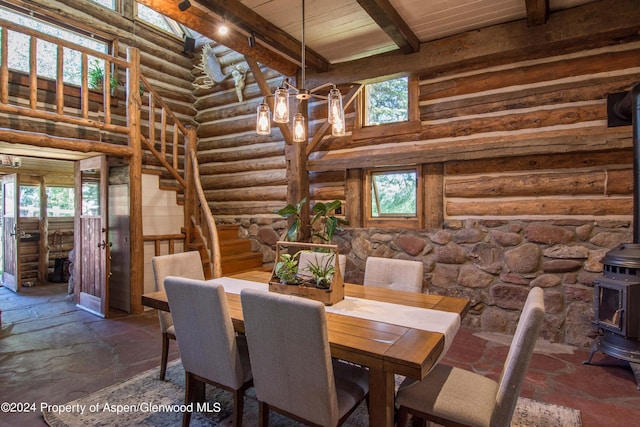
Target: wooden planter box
x: 330, y: 296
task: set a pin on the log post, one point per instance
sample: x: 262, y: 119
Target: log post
x: 354, y: 198
x: 136, y: 242
x: 433, y: 195
x: 298, y: 176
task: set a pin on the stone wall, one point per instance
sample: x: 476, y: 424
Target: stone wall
x: 493, y: 263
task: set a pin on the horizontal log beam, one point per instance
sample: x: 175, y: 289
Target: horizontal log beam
x: 591, y: 207
x: 541, y: 184
x: 48, y: 141
x: 419, y: 150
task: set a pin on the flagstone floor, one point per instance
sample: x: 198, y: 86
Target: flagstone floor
x: 52, y: 352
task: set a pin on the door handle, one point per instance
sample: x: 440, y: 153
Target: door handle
x: 104, y: 244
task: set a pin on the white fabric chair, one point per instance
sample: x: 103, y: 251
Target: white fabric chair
x: 401, y: 274
x: 310, y: 257
x: 210, y: 350
x: 293, y: 371
x: 182, y: 264
x: 453, y: 396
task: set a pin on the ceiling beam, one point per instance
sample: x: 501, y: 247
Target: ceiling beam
x: 243, y: 17
x: 387, y: 17
x: 206, y: 23
x: 537, y: 12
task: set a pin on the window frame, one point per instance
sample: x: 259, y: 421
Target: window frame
x: 364, y: 111
x: 410, y: 126
x: 393, y: 220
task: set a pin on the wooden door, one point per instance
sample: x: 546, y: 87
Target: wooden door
x: 11, y: 232
x: 91, y: 265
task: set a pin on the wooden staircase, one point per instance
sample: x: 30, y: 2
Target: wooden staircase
x: 236, y: 253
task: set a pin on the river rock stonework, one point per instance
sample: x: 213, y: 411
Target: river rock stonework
x: 493, y: 263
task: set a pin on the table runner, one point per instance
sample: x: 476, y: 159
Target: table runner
x: 412, y: 317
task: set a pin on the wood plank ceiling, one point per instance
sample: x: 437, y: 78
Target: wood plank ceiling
x: 343, y: 30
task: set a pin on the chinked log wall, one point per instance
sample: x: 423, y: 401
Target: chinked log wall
x: 534, y: 187
x: 162, y: 63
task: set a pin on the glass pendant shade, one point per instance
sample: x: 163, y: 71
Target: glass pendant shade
x: 299, y: 128
x: 281, y: 106
x: 337, y: 128
x: 263, y: 120
x: 334, y: 102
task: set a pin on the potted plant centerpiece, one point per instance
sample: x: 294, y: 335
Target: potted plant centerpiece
x: 307, y: 270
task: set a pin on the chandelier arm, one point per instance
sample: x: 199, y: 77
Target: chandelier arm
x: 315, y: 89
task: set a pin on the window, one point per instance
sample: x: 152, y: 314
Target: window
x: 386, y: 102
x: 158, y: 20
x: 47, y: 54
x: 109, y: 4
x: 60, y: 201
x: 29, y: 201
x: 392, y: 197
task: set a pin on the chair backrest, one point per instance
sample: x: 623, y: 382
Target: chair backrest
x: 310, y: 257
x: 290, y: 355
x: 401, y: 274
x: 205, y: 334
x: 181, y: 264
x: 518, y: 358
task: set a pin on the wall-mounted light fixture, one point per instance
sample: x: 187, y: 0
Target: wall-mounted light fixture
x: 10, y: 161
x: 335, y: 115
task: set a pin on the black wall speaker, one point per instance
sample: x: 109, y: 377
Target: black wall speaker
x: 189, y: 45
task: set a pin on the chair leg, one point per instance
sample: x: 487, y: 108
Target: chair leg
x: 403, y: 416
x: 263, y: 414
x: 165, y: 355
x: 238, y: 407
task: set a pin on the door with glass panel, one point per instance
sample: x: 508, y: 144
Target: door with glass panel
x: 91, y: 265
x: 11, y: 232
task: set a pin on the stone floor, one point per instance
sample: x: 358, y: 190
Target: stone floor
x: 51, y: 353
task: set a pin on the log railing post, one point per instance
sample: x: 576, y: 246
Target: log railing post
x: 189, y: 188
x: 136, y: 241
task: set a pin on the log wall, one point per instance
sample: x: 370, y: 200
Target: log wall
x: 515, y: 138
x: 163, y: 63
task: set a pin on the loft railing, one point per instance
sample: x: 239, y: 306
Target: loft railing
x: 163, y: 134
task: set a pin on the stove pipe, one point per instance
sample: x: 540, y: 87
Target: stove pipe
x: 628, y: 110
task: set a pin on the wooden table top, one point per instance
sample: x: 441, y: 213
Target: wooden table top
x: 406, y: 351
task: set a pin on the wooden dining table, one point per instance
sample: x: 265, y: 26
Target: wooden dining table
x: 386, y: 349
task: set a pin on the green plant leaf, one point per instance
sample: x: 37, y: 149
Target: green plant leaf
x: 287, y: 211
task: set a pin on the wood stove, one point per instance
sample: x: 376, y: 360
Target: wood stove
x: 616, y: 296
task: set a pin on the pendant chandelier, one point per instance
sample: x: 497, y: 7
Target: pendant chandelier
x: 335, y: 113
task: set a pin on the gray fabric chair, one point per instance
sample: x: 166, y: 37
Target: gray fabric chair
x: 401, y: 274
x: 456, y: 397
x: 182, y: 264
x: 210, y: 350
x: 293, y: 371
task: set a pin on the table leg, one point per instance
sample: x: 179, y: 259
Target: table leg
x: 381, y: 397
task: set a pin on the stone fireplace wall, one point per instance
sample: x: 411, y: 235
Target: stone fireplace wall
x: 493, y: 263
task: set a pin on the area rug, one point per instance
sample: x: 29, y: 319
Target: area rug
x: 144, y: 400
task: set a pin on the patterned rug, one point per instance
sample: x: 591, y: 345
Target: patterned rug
x: 144, y: 400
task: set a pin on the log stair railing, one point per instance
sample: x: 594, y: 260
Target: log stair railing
x: 163, y: 134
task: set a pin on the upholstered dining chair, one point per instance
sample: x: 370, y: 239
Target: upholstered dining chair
x: 293, y: 371
x: 182, y: 264
x: 401, y: 274
x: 309, y: 257
x: 453, y: 396
x: 210, y: 350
